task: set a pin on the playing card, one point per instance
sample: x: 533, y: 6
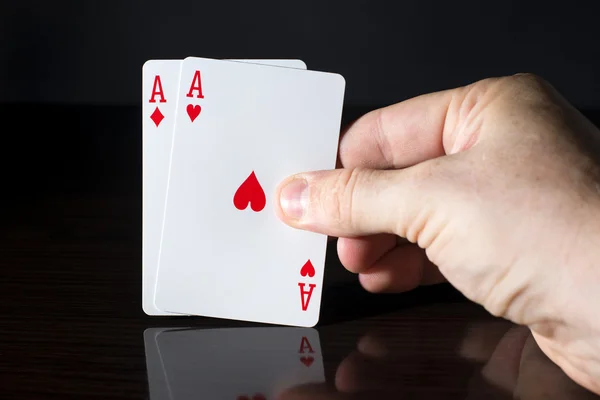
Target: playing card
x: 160, y: 80
x: 237, y: 363
x: 240, y: 130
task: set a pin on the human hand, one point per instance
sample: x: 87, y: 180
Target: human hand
x: 498, y: 182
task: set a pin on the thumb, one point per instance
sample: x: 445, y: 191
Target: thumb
x: 359, y: 202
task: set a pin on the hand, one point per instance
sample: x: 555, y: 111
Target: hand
x: 506, y: 361
x: 498, y: 183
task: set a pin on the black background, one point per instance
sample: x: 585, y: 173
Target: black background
x: 91, y: 52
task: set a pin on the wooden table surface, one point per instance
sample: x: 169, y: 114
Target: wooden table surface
x: 71, y: 324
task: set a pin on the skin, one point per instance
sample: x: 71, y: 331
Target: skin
x: 494, y: 187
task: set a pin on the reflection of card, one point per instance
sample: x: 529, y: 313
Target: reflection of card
x: 238, y: 363
x: 240, y: 129
x: 157, y: 380
x: 160, y: 82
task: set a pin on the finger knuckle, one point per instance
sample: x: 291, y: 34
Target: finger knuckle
x: 523, y: 84
x: 527, y: 86
x: 413, y: 223
x: 529, y: 79
x: 338, y: 198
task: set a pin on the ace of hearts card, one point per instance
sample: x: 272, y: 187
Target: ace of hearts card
x: 240, y: 129
x: 160, y: 83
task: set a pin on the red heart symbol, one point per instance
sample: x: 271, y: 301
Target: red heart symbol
x: 308, y: 269
x: 193, y: 111
x: 250, y: 192
x: 307, y: 361
x: 255, y: 397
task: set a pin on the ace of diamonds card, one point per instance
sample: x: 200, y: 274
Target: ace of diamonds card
x: 240, y: 129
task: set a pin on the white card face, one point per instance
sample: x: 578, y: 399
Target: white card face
x: 238, y: 363
x: 244, y: 128
x: 160, y: 81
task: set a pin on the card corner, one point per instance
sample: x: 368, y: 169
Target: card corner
x: 147, y: 311
x: 147, y: 63
x: 340, y: 78
x: 312, y: 323
x: 191, y: 58
x: 302, y: 62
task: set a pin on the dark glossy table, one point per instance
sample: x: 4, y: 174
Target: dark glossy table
x: 71, y: 324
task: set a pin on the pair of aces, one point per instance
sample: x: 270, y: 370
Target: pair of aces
x: 218, y: 137
x: 235, y: 363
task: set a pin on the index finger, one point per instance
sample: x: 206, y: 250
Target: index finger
x: 408, y: 132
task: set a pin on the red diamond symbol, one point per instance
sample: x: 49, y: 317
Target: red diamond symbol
x: 157, y: 117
